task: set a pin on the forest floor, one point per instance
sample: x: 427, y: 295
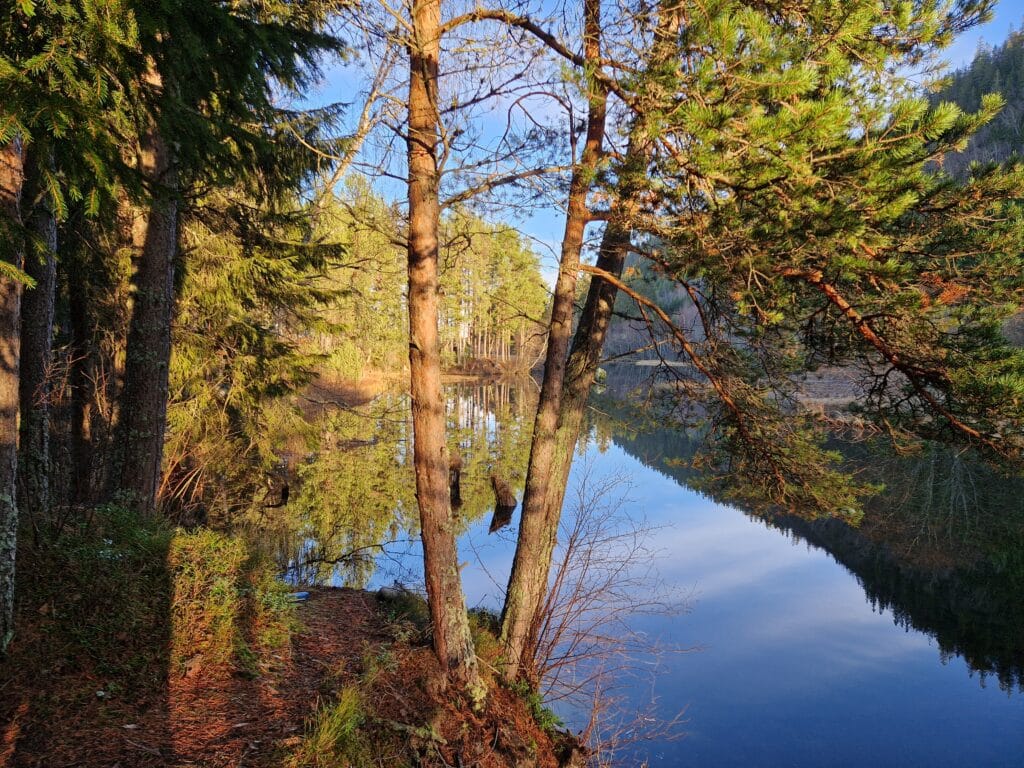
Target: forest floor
x: 285, y: 713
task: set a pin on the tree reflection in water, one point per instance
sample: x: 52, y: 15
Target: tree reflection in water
x: 354, y: 489
x: 942, y: 546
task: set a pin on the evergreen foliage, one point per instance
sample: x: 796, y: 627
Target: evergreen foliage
x: 253, y: 283
x: 66, y: 73
x: 493, y: 300
x: 787, y: 197
x: 793, y: 194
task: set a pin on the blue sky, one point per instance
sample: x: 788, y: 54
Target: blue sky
x: 1008, y: 13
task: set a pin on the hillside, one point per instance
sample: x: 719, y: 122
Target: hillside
x: 993, y: 70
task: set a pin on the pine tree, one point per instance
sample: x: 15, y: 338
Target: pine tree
x: 452, y: 641
x: 786, y: 185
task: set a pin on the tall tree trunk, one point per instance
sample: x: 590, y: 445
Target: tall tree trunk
x: 452, y: 641
x: 143, y: 409
x: 83, y: 381
x: 12, y: 175
x: 36, y: 348
x: 581, y: 367
x: 528, y: 580
x: 546, y: 481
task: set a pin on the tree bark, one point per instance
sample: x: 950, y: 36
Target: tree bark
x: 143, y: 410
x: 452, y: 641
x: 528, y: 580
x: 12, y: 175
x: 548, y: 474
x: 36, y: 348
x: 83, y: 381
x: 581, y: 367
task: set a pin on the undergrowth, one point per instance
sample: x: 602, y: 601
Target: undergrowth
x: 126, y: 598
x: 117, y: 603
x: 407, y: 616
x: 545, y: 718
x: 485, y: 627
x: 334, y: 737
x: 227, y: 606
x: 97, y: 598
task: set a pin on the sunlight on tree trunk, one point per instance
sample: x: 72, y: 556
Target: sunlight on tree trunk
x: 563, y: 409
x: 527, y: 584
x: 147, y: 362
x: 12, y: 174
x: 452, y: 642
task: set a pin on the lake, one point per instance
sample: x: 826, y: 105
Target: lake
x: 781, y: 642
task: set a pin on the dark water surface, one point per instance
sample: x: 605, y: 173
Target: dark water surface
x: 898, y: 644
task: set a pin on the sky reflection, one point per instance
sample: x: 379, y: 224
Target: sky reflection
x: 795, y: 667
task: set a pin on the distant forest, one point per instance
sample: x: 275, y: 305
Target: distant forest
x: 994, y: 70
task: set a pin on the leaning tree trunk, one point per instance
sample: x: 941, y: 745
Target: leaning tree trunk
x: 12, y: 174
x: 527, y: 594
x: 36, y: 348
x: 581, y: 367
x: 528, y: 581
x: 143, y: 410
x: 584, y: 358
x: 452, y: 641
x: 548, y: 473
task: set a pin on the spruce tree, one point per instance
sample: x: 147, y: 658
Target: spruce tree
x: 59, y: 69
x: 207, y: 117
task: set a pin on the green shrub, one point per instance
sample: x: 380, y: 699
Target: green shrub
x: 227, y: 603
x: 545, y: 718
x: 207, y: 570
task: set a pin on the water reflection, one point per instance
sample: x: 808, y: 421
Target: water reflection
x: 941, y: 547
x: 354, y: 492
x: 805, y: 660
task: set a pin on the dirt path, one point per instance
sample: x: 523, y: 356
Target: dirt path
x: 213, y: 718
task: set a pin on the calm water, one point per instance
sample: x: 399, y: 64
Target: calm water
x: 901, y: 644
